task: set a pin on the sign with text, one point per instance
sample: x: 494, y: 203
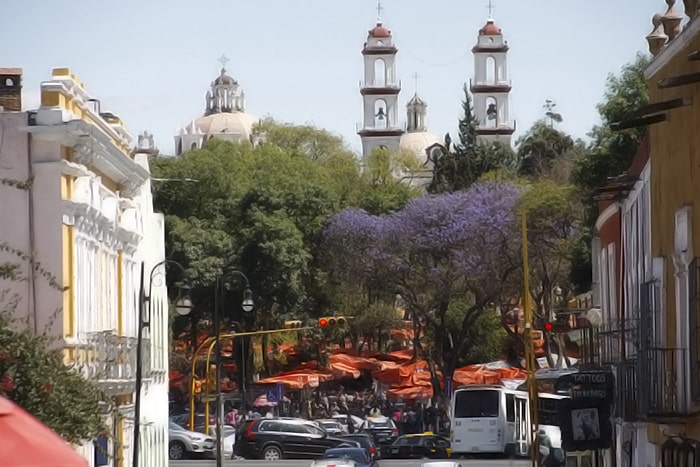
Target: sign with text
x: 590, y: 385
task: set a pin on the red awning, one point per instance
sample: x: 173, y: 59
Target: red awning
x: 26, y: 442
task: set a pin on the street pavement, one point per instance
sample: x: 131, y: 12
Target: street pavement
x: 384, y: 463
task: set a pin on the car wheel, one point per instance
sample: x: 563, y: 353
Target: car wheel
x: 272, y: 453
x: 177, y: 451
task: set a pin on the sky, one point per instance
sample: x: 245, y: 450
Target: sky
x: 152, y: 61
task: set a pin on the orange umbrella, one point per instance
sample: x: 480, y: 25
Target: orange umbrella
x: 26, y: 442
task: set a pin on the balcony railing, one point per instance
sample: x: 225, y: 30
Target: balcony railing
x: 626, y: 396
x: 660, y: 394
x: 619, y: 340
x: 110, y: 360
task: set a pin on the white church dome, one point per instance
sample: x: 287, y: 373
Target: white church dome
x: 417, y: 142
x: 234, y: 123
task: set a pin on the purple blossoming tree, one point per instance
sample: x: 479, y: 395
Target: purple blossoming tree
x: 438, y: 249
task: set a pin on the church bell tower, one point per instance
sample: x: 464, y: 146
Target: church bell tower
x: 491, y: 86
x: 380, y: 92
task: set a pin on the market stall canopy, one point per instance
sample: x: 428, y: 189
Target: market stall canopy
x: 26, y: 442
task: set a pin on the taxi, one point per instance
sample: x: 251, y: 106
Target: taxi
x: 419, y: 446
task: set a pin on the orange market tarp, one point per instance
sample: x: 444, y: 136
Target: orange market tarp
x: 410, y: 392
x: 486, y: 374
x: 359, y: 363
x: 308, y: 375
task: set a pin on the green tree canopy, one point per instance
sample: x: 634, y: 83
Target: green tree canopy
x: 466, y: 161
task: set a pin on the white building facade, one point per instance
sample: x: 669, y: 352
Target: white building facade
x: 88, y: 219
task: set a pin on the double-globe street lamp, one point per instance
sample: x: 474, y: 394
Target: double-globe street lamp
x: 247, y: 305
x: 183, y: 305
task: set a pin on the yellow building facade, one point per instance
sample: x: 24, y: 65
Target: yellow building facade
x: 88, y: 218
x: 673, y: 79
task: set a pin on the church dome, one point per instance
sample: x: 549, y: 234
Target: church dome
x: 232, y: 123
x: 490, y: 29
x: 224, y: 79
x: 417, y: 142
x: 379, y: 31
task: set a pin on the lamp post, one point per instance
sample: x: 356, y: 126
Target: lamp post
x: 183, y: 306
x: 247, y: 305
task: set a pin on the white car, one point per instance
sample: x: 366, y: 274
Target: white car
x: 441, y: 464
x: 229, y: 437
x: 182, y: 443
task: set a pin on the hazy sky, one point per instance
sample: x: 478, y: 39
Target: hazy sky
x: 151, y: 61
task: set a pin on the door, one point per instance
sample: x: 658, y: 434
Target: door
x: 510, y: 419
x: 522, y: 426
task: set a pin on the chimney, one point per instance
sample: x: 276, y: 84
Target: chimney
x: 11, y: 89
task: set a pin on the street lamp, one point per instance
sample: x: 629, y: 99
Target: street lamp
x: 183, y: 307
x: 247, y: 305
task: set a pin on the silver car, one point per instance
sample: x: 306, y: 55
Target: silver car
x: 183, y: 443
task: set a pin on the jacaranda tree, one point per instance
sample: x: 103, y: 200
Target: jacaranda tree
x: 438, y: 249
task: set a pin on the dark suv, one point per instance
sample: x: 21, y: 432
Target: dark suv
x: 284, y: 438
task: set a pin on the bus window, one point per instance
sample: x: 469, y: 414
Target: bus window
x: 477, y: 404
x: 548, y: 413
x: 510, y: 408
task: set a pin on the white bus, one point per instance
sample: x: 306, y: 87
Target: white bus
x: 489, y: 419
x: 492, y: 419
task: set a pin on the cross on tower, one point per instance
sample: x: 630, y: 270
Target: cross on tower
x: 490, y: 7
x: 223, y: 60
x: 379, y: 11
x: 415, y: 79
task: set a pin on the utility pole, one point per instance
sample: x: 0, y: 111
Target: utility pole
x: 530, y: 349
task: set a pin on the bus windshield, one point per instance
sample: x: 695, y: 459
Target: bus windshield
x: 477, y: 404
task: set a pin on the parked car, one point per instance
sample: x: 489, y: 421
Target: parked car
x: 382, y: 430
x: 333, y: 427
x: 228, y: 435
x: 353, y: 457
x: 348, y: 420
x: 284, y: 438
x: 367, y: 443
x: 421, y: 446
x: 183, y: 444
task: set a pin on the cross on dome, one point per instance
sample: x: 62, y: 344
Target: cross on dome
x: 223, y: 60
x: 415, y: 80
x: 379, y: 11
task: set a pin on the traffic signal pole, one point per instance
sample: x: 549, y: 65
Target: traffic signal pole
x: 211, y: 341
x: 530, y: 350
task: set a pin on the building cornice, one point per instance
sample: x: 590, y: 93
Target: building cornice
x: 99, y: 226
x: 606, y: 215
x: 93, y: 148
x: 692, y: 28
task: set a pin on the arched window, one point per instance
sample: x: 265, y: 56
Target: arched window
x: 193, y: 146
x: 381, y: 119
x: 491, y: 113
x: 9, y: 82
x: 379, y: 73
x: 491, y: 70
x: 380, y: 44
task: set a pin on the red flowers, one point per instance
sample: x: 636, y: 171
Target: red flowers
x: 6, y: 384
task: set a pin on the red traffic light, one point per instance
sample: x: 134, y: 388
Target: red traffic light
x: 548, y: 326
x: 323, y: 322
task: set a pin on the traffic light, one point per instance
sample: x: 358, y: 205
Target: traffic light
x: 294, y: 324
x: 333, y: 321
x: 548, y: 326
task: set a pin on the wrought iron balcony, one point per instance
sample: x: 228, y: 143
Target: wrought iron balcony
x: 110, y: 360
x: 619, y: 340
x: 660, y: 392
x: 626, y: 395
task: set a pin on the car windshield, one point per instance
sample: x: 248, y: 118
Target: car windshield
x: 363, y: 440
x: 357, y: 455
x: 174, y: 426
x: 379, y: 424
x: 332, y: 425
x: 409, y: 441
